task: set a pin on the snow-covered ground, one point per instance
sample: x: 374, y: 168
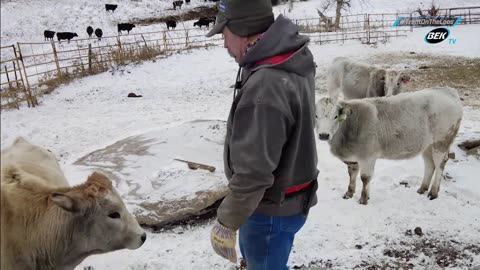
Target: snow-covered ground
x: 25, y: 20
x: 94, y: 112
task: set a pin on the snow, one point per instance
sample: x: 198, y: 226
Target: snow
x: 94, y: 112
x: 25, y: 20
x: 308, y: 9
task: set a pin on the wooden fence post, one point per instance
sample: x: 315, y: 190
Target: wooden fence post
x: 33, y: 99
x: 15, y: 73
x: 55, y: 57
x: 146, y: 46
x: 119, y: 43
x: 164, y: 41
x: 89, y: 57
x: 12, y: 94
x: 8, y: 78
x: 368, y: 28
x: 396, y: 28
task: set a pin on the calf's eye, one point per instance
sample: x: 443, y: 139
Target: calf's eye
x: 114, y: 215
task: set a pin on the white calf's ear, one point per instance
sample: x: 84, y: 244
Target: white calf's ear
x: 64, y: 201
x: 344, y: 112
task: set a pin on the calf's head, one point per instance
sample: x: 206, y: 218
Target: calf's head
x: 394, y: 81
x: 329, y: 116
x: 100, y: 219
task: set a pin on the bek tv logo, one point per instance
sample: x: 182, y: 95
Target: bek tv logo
x: 438, y: 35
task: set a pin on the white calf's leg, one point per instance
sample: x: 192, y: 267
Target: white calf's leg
x: 429, y: 168
x: 440, y: 159
x: 366, y: 172
x: 353, y: 172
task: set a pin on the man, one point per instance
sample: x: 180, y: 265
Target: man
x: 270, y: 154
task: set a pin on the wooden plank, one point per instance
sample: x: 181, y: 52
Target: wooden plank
x: 194, y: 166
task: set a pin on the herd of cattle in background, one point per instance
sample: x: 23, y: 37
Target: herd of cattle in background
x: 375, y: 120
x: 203, y: 21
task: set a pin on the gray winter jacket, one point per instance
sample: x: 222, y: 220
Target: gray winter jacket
x: 270, y: 141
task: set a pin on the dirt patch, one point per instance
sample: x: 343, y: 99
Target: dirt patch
x: 413, y: 252
x: 193, y: 14
x: 471, y: 147
x: 428, y: 70
x: 441, y: 253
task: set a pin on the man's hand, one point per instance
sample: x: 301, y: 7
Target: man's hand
x: 223, y: 241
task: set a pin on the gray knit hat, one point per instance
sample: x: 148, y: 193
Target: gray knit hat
x: 243, y: 17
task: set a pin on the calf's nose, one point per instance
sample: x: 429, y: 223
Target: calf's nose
x: 323, y: 136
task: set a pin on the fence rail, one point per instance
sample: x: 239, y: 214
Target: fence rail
x: 31, y: 69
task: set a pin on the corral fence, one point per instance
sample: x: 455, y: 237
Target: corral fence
x: 32, y: 69
x: 373, y: 28
x: 366, y: 28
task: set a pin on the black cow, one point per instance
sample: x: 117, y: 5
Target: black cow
x: 48, y: 34
x: 89, y: 31
x: 99, y: 33
x: 204, y: 21
x: 66, y: 35
x: 178, y: 3
x: 172, y: 24
x: 125, y: 27
x: 110, y: 7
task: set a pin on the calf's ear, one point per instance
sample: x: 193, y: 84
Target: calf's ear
x: 11, y: 174
x: 20, y: 139
x: 65, y: 201
x: 344, y: 111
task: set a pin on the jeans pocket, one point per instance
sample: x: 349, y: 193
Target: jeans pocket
x: 260, y: 220
x: 293, y: 224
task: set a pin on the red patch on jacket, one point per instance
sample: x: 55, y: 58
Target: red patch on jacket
x: 276, y: 59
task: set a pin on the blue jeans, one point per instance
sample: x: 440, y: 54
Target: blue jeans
x: 266, y: 241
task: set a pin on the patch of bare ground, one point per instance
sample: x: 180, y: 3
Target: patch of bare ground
x: 415, y: 251
x: 193, y: 14
x: 429, y: 70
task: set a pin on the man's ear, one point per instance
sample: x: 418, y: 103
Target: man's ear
x: 65, y: 201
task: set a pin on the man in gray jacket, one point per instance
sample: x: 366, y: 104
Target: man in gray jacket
x: 270, y: 154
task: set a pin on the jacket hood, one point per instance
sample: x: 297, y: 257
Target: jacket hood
x: 282, y: 37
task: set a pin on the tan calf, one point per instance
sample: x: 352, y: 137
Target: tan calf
x: 44, y: 226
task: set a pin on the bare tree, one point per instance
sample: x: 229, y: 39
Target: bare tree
x: 434, y: 10
x: 326, y: 20
x: 340, y: 5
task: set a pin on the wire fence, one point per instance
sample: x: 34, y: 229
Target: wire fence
x: 366, y: 28
x: 32, y: 69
